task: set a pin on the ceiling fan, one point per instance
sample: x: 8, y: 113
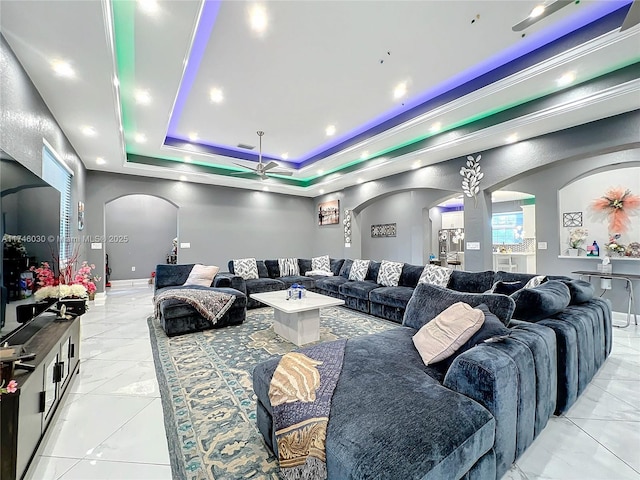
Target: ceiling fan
x: 261, y: 169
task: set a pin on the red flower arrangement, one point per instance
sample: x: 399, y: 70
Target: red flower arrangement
x: 617, y: 204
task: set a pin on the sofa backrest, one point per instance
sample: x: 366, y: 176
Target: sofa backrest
x: 374, y: 269
x: 304, y: 264
x: 471, y: 282
x: 410, y: 275
x: 168, y: 275
x: 273, y: 268
x: 336, y: 264
x: 501, y: 276
x: 346, y: 268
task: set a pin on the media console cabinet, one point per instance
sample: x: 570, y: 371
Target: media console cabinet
x: 25, y: 415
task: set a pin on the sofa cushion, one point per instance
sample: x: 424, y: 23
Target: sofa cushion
x: 330, y: 284
x: 288, y: 267
x: 435, y: 275
x: 543, y: 301
x: 259, y: 285
x: 471, y: 282
x: 410, y: 275
x: 172, y: 308
x: 358, y: 289
x: 389, y: 273
x: 345, y: 270
x: 535, y: 281
x: 428, y: 301
x: 506, y: 288
x: 501, y: 276
x: 307, y: 282
x: 247, y: 268
x: 581, y: 291
x: 392, y: 296
x: 372, y: 272
x: 359, y: 270
x: 321, y: 263
x: 336, y: 265
x: 202, y: 275
x: 447, y: 332
x: 304, y: 264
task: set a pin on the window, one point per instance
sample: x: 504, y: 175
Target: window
x: 506, y: 228
x: 58, y: 175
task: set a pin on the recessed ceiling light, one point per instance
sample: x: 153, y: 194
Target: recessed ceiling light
x: 216, y: 95
x: 511, y: 138
x: 143, y: 97
x: 62, y: 68
x: 416, y: 165
x: 182, y: 178
x: 321, y: 191
x: 140, y: 138
x: 116, y: 82
x: 193, y: 136
x: 320, y: 172
x: 100, y: 161
x: 537, y: 11
x: 284, y: 156
x: 89, y: 131
x: 188, y: 159
x: 436, y: 127
x: 265, y: 189
x: 364, y: 155
x: 566, y: 79
x: 258, y: 18
x: 150, y: 7
x: 359, y: 181
x: 330, y: 130
x: 400, y: 90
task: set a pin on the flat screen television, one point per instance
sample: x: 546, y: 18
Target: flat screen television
x: 30, y: 209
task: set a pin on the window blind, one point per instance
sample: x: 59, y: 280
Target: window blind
x: 56, y: 174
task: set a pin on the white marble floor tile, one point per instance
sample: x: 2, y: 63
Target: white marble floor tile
x: 626, y: 390
x: 100, y: 348
x: 50, y: 468
x: 88, y: 421
x: 140, y: 380
x: 103, y: 470
x: 563, y: 451
x: 596, y: 403
x: 92, y: 329
x: 94, y: 373
x: 514, y: 473
x: 132, y: 330
x: 142, y: 439
x: 621, y: 438
x: 620, y: 368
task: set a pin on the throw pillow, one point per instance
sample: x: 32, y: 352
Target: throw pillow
x: 543, y: 301
x: 321, y: 264
x: 435, y: 275
x: 288, y: 267
x: 535, y: 281
x: 442, y: 336
x: 492, y: 328
x: 202, y: 275
x: 389, y: 273
x: 246, y: 268
x: 359, y: 270
x: 506, y: 288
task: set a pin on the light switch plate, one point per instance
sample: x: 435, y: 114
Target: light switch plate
x: 473, y: 245
x: 96, y: 246
x: 542, y: 245
x: 185, y: 245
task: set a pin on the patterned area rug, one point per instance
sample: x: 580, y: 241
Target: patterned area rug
x: 207, y: 393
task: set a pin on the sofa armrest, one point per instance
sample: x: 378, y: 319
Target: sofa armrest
x: 170, y: 275
x: 229, y: 280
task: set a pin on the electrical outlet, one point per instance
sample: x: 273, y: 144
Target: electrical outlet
x: 542, y: 245
x: 133, y: 269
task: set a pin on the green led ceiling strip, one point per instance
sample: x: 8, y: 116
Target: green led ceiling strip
x: 124, y: 12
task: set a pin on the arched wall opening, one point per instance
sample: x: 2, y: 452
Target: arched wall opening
x: 139, y: 234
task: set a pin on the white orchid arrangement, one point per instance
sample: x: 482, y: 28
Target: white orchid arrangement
x: 61, y: 291
x: 577, y: 237
x: 471, y: 178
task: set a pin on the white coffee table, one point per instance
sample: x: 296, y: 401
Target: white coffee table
x: 297, y: 320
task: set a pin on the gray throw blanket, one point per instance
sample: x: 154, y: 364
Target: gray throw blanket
x: 300, y: 392
x: 210, y: 304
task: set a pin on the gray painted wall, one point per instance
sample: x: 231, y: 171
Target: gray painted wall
x: 220, y: 223
x: 141, y: 229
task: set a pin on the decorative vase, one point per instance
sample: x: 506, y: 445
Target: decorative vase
x: 573, y: 252
x: 92, y: 296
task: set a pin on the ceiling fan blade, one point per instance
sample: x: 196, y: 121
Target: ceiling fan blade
x: 282, y: 172
x: 244, y: 166
x: 271, y: 165
x: 633, y: 16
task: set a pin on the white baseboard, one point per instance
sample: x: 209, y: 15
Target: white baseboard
x: 136, y: 283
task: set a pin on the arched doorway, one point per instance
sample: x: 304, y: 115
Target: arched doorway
x: 513, y: 231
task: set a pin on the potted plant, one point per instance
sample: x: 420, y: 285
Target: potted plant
x: 577, y: 237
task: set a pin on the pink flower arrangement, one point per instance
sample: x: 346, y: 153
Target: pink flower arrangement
x: 12, y: 387
x: 83, y: 277
x: 616, y: 205
x: 46, y: 277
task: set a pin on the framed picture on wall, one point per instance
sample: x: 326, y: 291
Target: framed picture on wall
x: 80, y: 215
x: 329, y: 212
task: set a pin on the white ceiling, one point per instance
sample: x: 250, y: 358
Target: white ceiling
x: 317, y: 63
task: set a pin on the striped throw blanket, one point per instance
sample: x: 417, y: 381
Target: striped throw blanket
x: 300, y: 392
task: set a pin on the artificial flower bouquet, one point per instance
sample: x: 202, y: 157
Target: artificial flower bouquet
x: 614, y: 246
x: 577, y: 237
